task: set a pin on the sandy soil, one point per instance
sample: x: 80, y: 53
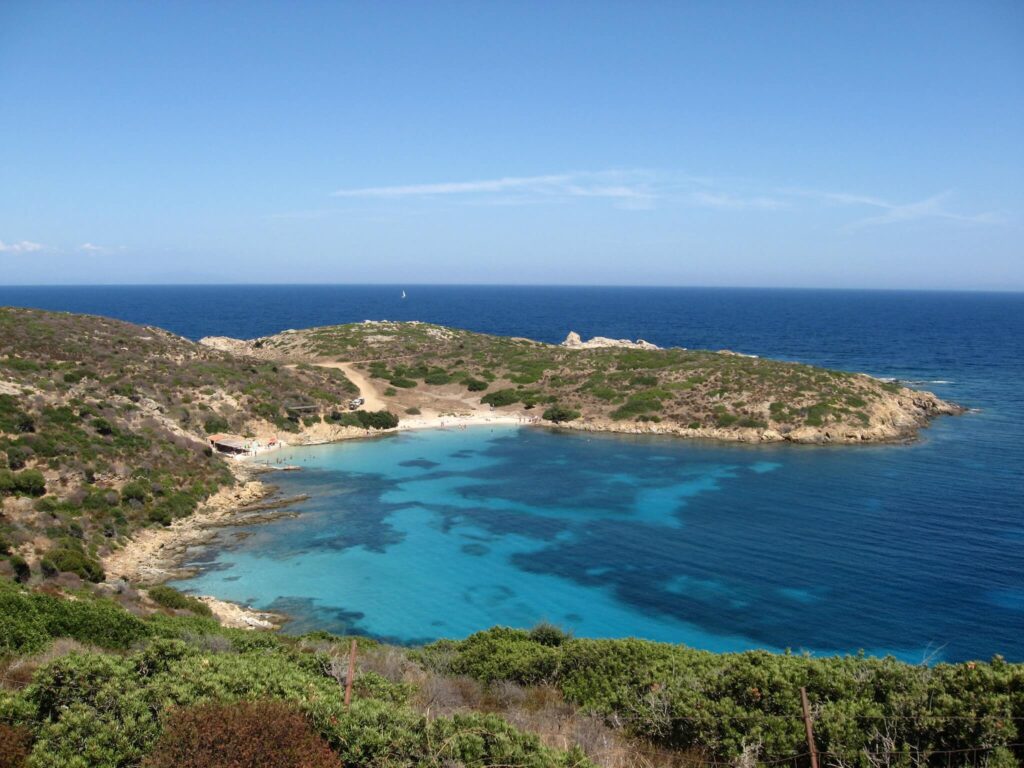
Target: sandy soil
x: 366, y: 389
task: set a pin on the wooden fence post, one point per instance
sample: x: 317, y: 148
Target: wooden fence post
x: 352, y: 674
x: 808, y: 727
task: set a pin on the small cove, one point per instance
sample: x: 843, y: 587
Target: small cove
x: 441, y: 533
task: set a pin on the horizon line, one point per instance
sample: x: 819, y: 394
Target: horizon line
x: 518, y: 285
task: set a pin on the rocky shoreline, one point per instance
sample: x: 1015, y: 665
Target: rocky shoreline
x: 898, y: 420
x: 155, y: 555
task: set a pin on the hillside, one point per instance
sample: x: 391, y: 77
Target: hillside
x: 104, y: 425
x: 611, y: 386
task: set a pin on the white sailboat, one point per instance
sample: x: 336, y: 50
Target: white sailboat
x: 403, y: 294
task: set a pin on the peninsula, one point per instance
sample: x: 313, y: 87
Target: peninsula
x: 435, y: 372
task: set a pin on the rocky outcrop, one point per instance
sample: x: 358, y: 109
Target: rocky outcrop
x: 227, y: 344
x: 573, y: 341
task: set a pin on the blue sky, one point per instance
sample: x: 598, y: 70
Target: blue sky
x: 668, y: 143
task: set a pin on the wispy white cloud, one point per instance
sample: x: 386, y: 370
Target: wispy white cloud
x: 932, y: 207
x: 616, y: 186
x: 637, y: 189
x: 503, y: 184
x: 22, y: 246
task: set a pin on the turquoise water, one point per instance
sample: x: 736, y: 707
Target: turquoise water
x: 441, y: 533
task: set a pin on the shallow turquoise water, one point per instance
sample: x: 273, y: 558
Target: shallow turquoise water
x: 442, y: 533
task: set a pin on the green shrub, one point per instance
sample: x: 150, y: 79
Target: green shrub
x: 134, y: 491
x: 559, y: 414
x: 413, y: 411
x: 726, y: 419
x: 28, y: 621
x: 377, y: 419
x: 474, y: 385
x: 22, y: 571
x: 30, y: 482
x: 637, y: 404
x: 687, y: 699
x: 548, y: 634
x: 94, y: 622
x: 215, y: 424
x: 18, y: 455
x: 402, y: 382
x: 501, y: 397
x: 171, y: 598
x: 71, y: 560
x: 103, y: 427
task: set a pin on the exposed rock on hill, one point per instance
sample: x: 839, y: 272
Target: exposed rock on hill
x: 573, y: 341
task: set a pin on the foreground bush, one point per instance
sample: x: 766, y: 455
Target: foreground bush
x: 258, y: 734
x: 722, y: 704
x: 198, y: 694
x: 28, y: 621
x: 15, y: 746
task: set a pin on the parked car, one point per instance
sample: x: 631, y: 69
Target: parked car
x: 354, y: 404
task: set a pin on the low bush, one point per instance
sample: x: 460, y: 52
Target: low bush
x: 437, y: 378
x: 501, y: 397
x: 29, y: 620
x: 71, y: 560
x: 22, y: 570
x: 15, y: 746
x: 683, y: 698
x: 134, y: 491
x: 559, y: 414
x: 377, y: 419
x: 171, y: 598
x: 28, y: 482
x: 257, y: 734
x: 474, y: 385
x: 215, y: 424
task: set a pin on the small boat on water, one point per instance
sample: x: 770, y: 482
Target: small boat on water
x: 403, y: 294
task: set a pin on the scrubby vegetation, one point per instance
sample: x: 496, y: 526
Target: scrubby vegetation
x: 867, y: 711
x: 171, y: 598
x: 679, y: 388
x: 187, y: 692
x: 83, y: 682
x: 103, y: 429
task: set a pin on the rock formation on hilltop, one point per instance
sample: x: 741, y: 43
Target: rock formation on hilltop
x: 573, y: 341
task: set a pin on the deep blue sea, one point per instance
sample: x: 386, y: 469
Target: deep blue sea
x: 917, y: 550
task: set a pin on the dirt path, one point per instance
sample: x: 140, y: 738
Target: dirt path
x: 366, y: 389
